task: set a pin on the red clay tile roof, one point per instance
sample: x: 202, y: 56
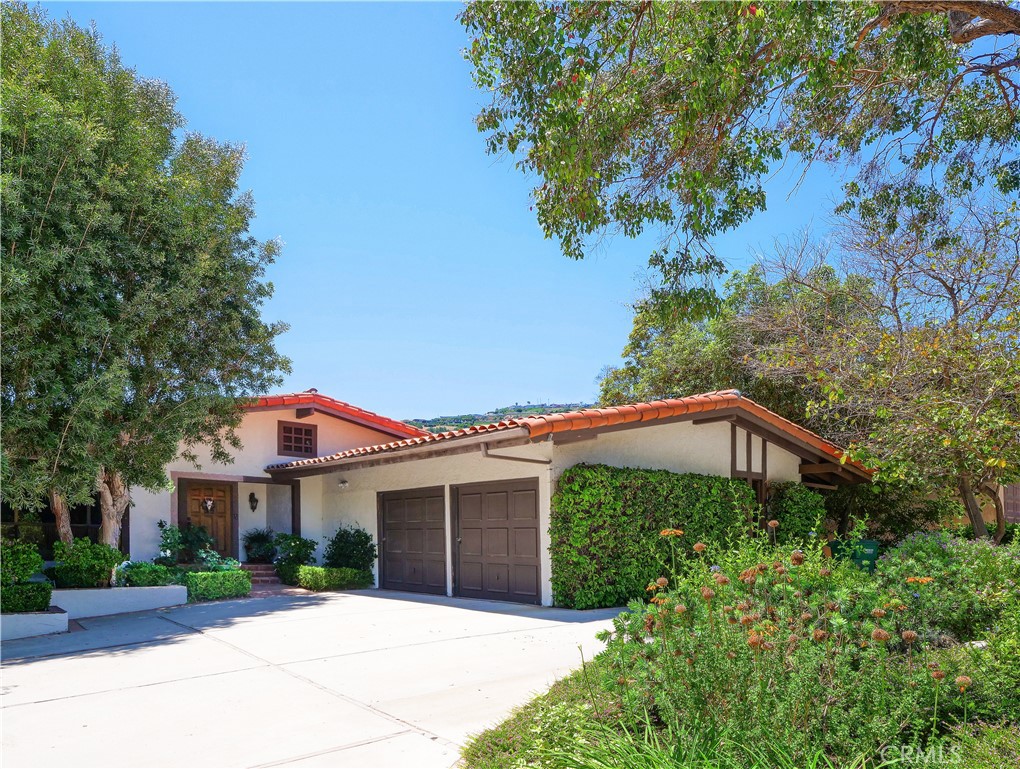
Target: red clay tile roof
x: 311, y: 398
x: 538, y: 426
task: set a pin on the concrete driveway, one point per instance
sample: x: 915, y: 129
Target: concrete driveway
x: 361, y: 679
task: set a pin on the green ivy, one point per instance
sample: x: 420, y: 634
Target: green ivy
x: 606, y: 525
x: 799, y: 511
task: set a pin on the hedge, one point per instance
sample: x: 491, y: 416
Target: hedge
x: 210, y: 585
x: 325, y: 578
x: 28, y: 596
x: 606, y: 521
x: 799, y: 510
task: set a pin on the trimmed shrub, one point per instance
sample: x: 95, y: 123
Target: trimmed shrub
x: 85, y: 563
x: 799, y: 510
x: 211, y: 585
x: 350, y: 548
x: 29, y: 596
x: 607, y: 524
x: 142, y: 574
x: 18, y: 561
x: 321, y: 578
x: 258, y: 545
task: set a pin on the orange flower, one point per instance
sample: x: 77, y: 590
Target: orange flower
x: 662, y: 582
x: 700, y: 547
x: 920, y: 580
x: 671, y: 533
x: 963, y: 682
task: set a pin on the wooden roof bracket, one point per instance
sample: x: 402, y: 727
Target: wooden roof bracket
x: 530, y: 460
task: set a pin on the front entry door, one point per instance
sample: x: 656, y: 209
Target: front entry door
x: 211, y: 505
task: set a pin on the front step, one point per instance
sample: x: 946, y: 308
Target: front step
x: 262, y: 573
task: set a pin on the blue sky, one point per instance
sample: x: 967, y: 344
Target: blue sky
x: 414, y: 277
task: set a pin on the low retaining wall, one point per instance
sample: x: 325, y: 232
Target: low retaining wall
x: 32, y: 623
x: 98, y: 602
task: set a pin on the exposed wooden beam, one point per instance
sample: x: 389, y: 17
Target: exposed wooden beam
x: 712, y: 420
x: 807, y: 468
x: 826, y: 486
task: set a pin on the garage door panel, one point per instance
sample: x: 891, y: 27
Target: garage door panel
x: 526, y: 543
x: 526, y: 583
x: 435, y: 542
x: 498, y: 553
x: 471, y: 542
x: 525, y: 505
x: 497, y: 578
x: 497, y: 543
x: 496, y: 506
x: 413, y: 540
x: 470, y: 508
x: 435, y: 510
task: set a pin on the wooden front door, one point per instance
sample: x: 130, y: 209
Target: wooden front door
x: 211, y: 505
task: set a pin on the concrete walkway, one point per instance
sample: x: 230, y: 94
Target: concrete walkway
x: 360, y: 679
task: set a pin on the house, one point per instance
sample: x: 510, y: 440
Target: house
x: 230, y: 499
x: 466, y: 513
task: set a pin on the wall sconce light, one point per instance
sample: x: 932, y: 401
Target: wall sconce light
x: 342, y: 484
x: 253, y: 501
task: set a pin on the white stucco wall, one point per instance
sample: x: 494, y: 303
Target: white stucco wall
x: 257, y: 434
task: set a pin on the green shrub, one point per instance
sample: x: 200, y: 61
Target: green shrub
x: 772, y: 646
x: 1012, y: 529
x: 258, y: 545
x: 142, y: 574
x: 889, y: 511
x: 210, y: 560
x: 350, y: 548
x: 956, y: 587
x: 606, y: 523
x: 170, y: 544
x: 210, y: 585
x: 28, y: 596
x: 18, y: 561
x: 799, y: 510
x: 292, y: 550
x: 85, y: 563
x: 320, y: 578
x: 288, y: 573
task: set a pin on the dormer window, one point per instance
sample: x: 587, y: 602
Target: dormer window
x: 294, y: 439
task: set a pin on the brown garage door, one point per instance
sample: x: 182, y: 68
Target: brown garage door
x: 497, y: 541
x: 412, y: 529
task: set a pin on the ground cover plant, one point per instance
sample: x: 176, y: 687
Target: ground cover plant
x: 751, y: 654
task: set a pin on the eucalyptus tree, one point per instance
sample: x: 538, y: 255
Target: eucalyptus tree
x: 131, y: 287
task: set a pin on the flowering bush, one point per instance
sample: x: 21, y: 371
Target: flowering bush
x: 781, y: 646
x: 955, y: 588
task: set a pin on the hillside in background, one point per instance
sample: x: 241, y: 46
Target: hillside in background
x: 442, y: 424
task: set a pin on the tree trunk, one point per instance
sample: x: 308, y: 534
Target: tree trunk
x: 973, y: 507
x: 58, y: 505
x: 992, y: 492
x: 114, y: 500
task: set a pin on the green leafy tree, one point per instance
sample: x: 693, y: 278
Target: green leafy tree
x: 923, y: 380
x: 669, y: 115
x: 669, y: 355
x: 131, y: 289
